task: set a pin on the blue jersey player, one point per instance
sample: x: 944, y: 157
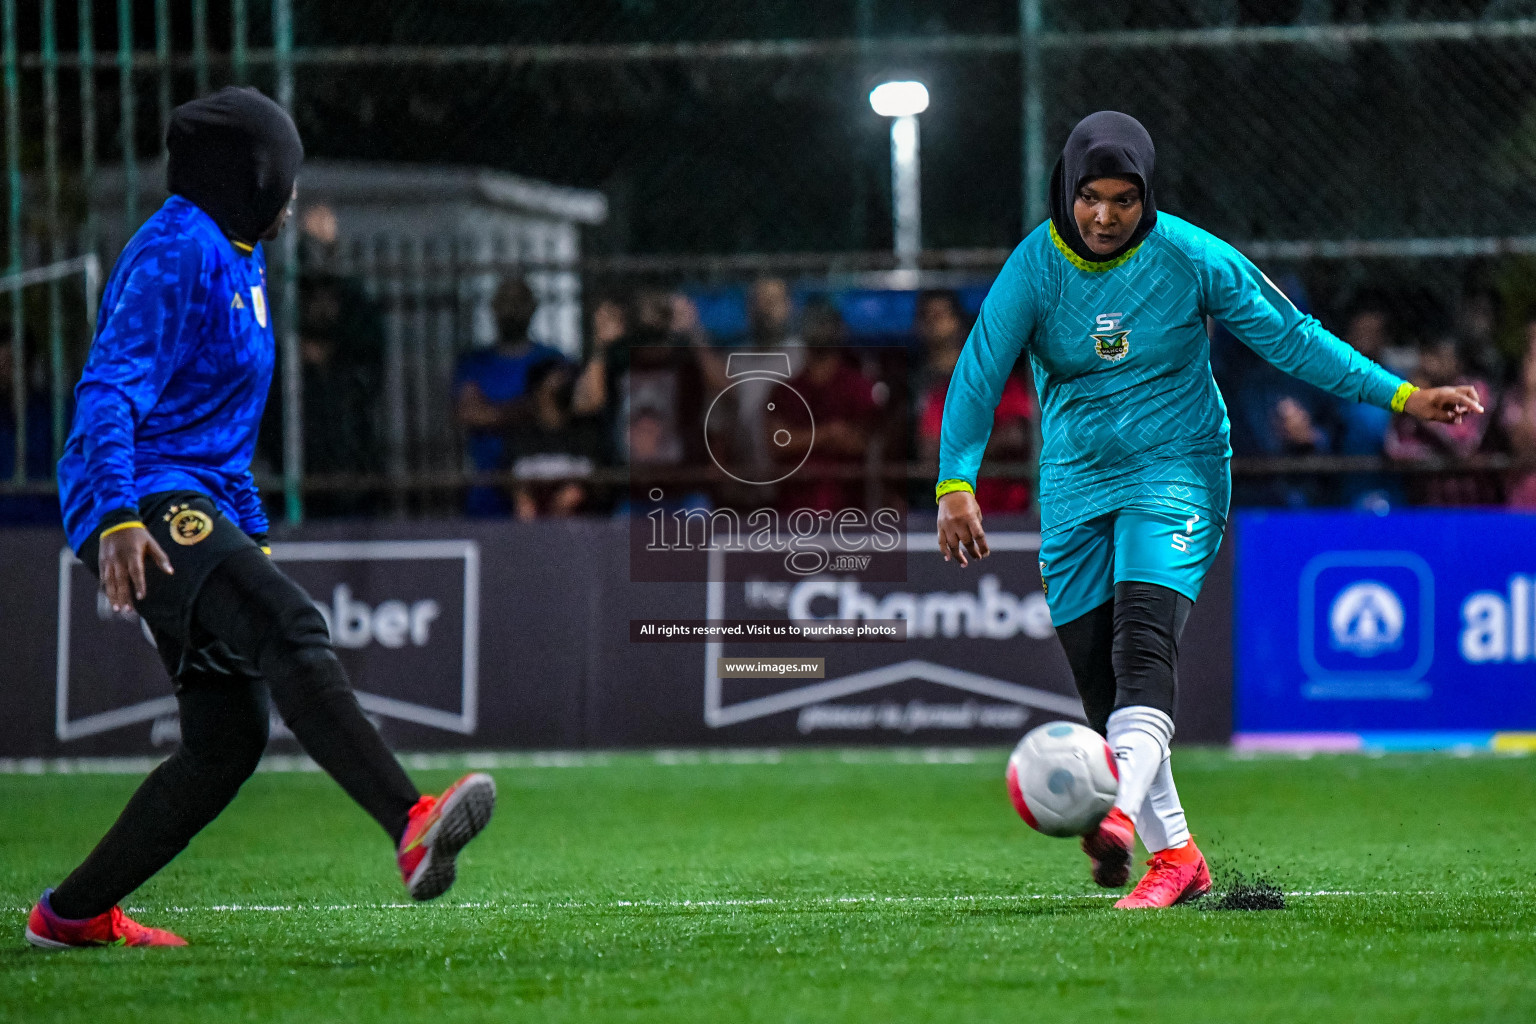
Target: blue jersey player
x: 1110, y: 299
x: 159, y: 501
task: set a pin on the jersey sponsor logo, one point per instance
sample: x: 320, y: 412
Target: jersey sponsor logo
x: 189, y: 526
x: 259, y: 304
x: 1110, y: 342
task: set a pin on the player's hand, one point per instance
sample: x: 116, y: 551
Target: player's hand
x: 960, y: 531
x: 122, y: 565
x: 1443, y: 405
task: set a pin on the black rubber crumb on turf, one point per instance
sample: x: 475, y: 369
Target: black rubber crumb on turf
x: 1239, y: 891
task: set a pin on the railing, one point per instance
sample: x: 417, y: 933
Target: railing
x: 87, y: 266
x: 1481, y: 68
x: 913, y: 473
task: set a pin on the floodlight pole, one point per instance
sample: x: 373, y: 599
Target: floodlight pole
x: 287, y: 312
x: 906, y: 191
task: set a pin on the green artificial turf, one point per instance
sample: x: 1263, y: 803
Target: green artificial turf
x: 813, y: 887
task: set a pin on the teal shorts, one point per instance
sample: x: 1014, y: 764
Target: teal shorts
x: 1162, y: 544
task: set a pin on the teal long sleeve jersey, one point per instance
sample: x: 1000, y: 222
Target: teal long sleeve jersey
x: 1121, y: 358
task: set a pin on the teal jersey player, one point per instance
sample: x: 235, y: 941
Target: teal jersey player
x: 1110, y: 301
x: 1131, y: 415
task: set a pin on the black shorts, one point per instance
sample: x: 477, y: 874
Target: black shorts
x: 196, y: 537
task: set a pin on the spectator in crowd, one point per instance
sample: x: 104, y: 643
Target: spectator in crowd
x: 770, y: 314
x: 940, y: 328
x: 26, y: 509
x: 770, y: 318
x: 491, y: 388
x: 339, y: 335
x: 1374, y: 326
x: 611, y: 319
x: 1410, y: 440
x: 845, y: 409
x: 1361, y: 429
x: 648, y: 445
x: 319, y: 233
x: 551, y: 454
x: 1272, y: 414
x: 1477, y: 324
x: 1517, y: 417
x: 654, y: 368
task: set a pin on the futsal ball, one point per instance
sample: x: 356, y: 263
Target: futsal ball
x: 1062, y: 779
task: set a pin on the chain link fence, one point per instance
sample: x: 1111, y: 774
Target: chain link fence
x: 1367, y: 151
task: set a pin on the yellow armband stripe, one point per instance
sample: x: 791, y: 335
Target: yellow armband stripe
x: 267, y: 552
x: 1400, y: 396
x: 129, y: 525
x: 947, y: 486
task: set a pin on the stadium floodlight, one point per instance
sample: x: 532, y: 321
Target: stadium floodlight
x: 902, y: 102
x: 899, y: 99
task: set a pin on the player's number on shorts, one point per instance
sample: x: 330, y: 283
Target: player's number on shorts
x: 1181, y: 540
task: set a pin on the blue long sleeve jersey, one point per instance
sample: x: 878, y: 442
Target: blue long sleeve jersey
x: 1121, y: 358
x: 174, y: 388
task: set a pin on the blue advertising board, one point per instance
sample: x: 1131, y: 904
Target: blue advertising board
x: 1415, y: 630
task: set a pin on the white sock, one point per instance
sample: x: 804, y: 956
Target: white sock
x: 1139, y: 737
x: 1160, y: 822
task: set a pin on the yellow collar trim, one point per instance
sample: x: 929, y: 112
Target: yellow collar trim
x: 248, y: 249
x: 1088, y: 265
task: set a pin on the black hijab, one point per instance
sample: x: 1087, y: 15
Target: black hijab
x: 1108, y: 144
x: 236, y: 155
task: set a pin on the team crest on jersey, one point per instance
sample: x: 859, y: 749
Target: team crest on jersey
x: 188, y: 525
x: 237, y: 302
x: 259, y: 304
x: 1111, y: 342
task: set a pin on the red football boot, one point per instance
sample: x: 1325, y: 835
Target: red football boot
x: 1177, y: 876
x: 1109, y: 847
x: 438, y: 829
x: 47, y: 930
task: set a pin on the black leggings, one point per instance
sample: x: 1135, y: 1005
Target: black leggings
x: 257, y: 633
x: 1125, y: 652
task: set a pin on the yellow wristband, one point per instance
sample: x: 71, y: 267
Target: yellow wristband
x: 946, y: 486
x: 129, y: 525
x: 1400, y: 396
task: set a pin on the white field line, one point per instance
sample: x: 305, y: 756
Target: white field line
x: 504, y: 760
x: 491, y: 760
x: 830, y: 902
x: 707, y: 904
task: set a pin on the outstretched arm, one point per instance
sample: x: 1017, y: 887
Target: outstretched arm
x: 1002, y: 330
x: 1239, y: 295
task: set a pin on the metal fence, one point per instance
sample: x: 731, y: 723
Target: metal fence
x: 1384, y: 145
